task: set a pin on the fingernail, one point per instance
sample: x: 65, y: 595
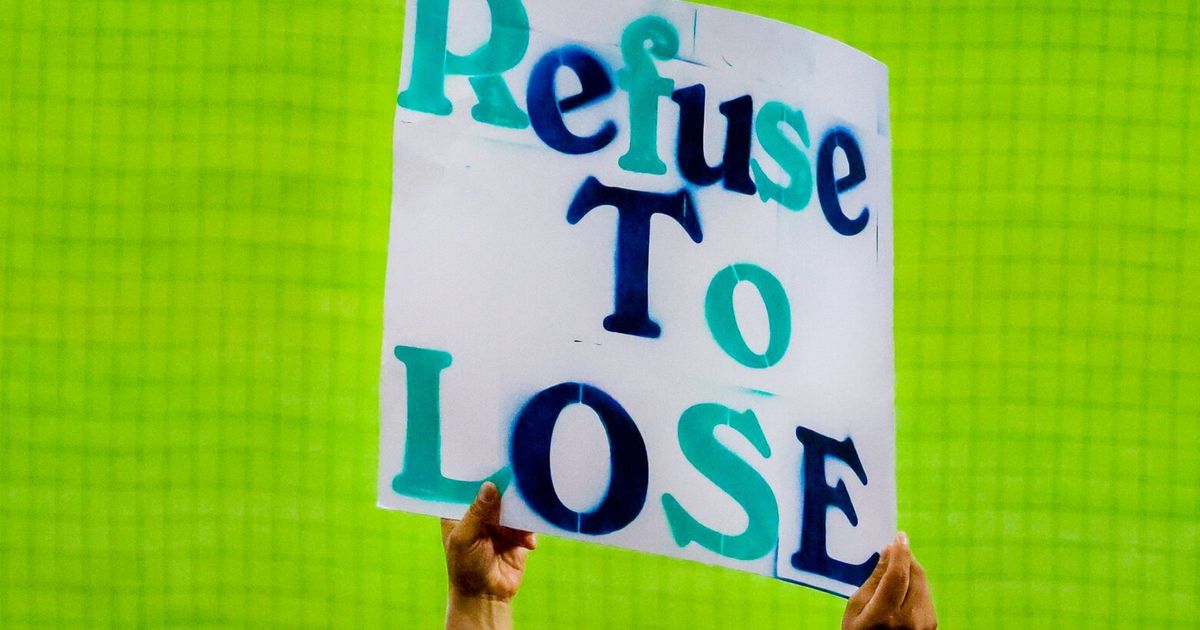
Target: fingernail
x: 487, y: 492
x: 902, y: 538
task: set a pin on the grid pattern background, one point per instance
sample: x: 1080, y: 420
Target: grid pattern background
x: 193, y: 223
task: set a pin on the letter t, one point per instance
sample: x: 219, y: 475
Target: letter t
x: 635, y: 208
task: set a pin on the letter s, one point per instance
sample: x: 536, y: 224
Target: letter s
x: 733, y: 475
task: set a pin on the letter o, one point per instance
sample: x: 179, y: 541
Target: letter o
x: 722, y: 321
x: 530, y: 455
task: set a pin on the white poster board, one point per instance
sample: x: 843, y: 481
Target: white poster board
x: 640, y: 275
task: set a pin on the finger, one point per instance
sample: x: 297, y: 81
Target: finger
x: 447, y: 527
x: 918, y: 598
x: 868, y: 587
x: 894, y: 584
x: 516, y: 558
x: 864, y: 592
x: 517, y: 537
x: 484, y: 511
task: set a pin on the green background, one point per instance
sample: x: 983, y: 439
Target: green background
x: 195, y: 206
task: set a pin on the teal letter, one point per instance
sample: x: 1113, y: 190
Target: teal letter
x: 640, y: 78
x: 431, y: 62
x: 797, y: 193
x: 722, y: 321
x: 421, y: 476
x: 733, y: 475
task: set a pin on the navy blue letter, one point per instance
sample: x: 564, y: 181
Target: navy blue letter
x: 631, y: 315
x: 531, y: 460
x: 813, y: 555
x: 546, y: 110
x: 735, y: 165
x: 829, y: 186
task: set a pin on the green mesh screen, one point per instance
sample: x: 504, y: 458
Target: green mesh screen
x: 193, y: 222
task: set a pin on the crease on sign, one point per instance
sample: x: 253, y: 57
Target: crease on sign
x: 695, y: 23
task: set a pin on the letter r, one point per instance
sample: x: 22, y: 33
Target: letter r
x: 431, y: 62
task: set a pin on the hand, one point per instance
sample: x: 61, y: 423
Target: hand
x: 895, y: 596
x: 485, y: 563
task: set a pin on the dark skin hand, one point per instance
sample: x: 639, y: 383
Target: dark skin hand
x: 895, y: 596
x: 485, y: 563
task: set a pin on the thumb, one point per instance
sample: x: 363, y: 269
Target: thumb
x: 484, y: 511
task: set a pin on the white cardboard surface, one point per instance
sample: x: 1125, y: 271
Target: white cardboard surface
x: 483, y: 265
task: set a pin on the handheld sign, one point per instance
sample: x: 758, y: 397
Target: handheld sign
x: 640, y: 276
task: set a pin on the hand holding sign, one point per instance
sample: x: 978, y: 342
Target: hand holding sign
x: 895, y: 596
x: 485, y: 563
